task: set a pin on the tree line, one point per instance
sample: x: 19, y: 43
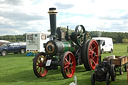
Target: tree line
x: 14, y: 38
x: 118, y: 37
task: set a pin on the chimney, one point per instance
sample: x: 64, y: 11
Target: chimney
x: 52, y: 14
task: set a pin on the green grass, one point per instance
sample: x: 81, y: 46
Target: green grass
x: 16, y: 69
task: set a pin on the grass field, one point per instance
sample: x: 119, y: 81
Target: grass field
x: 16, y: 69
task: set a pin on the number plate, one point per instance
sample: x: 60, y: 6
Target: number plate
x: 48, y: 63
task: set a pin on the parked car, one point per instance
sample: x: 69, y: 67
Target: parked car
x: 106, y: 44
x: 12, y: 48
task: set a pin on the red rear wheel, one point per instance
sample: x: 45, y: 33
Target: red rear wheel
x: 68, y: 64
x: 39, y: 71
x: 90, y: 54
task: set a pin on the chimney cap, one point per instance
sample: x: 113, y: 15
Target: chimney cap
x: 52, y: 10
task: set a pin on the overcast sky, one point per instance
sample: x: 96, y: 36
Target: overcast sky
x: 22, y: 16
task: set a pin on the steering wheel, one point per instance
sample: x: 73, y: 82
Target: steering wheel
x: 80, y: 32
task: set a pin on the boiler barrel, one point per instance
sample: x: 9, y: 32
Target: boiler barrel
x: 54, y: 47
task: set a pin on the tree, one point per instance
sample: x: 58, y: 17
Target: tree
x: 125, y: 40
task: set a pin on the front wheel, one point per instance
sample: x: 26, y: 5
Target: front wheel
x: 68, y: 65
x: 4, y: 53
x: 38, y: 68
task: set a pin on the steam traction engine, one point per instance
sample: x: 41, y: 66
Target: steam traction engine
x: 103, y: 72
x: 66, y: 53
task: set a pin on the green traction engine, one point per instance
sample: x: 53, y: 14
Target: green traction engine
x: 66, y: 52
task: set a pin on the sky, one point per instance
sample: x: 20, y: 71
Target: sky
x: 22, y: 16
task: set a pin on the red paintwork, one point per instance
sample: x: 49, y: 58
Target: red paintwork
x: 69, y: 65
x: 93, y: 48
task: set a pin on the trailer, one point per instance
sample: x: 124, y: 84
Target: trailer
x: 35, y: 42
x: 120, y: 62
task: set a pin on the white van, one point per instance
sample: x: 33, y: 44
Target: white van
x: 106, y: 44
x: 35, y: 41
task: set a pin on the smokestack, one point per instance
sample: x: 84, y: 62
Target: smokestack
x: 52, y: 13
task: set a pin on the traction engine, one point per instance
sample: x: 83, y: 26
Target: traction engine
x: 73, y: 50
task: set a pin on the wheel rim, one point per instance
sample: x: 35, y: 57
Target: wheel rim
x: 3, y: 53
x: 22, y: 51
x: 93, y: 54
x: 38, y: 68
x: 69, y: 65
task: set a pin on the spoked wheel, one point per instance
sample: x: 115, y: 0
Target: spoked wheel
x: 108, y: 79
x: 113, y: 73
x: 38, y: 68
x: 90, y: 54
x: 80, y: 32
x: 93, y: 79
x: 68, y: 65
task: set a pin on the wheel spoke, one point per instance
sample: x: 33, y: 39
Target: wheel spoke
x: 40, y: 59
x: 94, y: 48
x: 68, y: 70
x: 69, y: 58
x: 72, y: 62
x: 37, y: 68
x: 66, y: 60
x: 93, y: 63
x: 90, y: 54
x: 37, y: 65
x: 66, y: 65
x: 37, y: 62
x: 71, y: 67
x: 40, y: 70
